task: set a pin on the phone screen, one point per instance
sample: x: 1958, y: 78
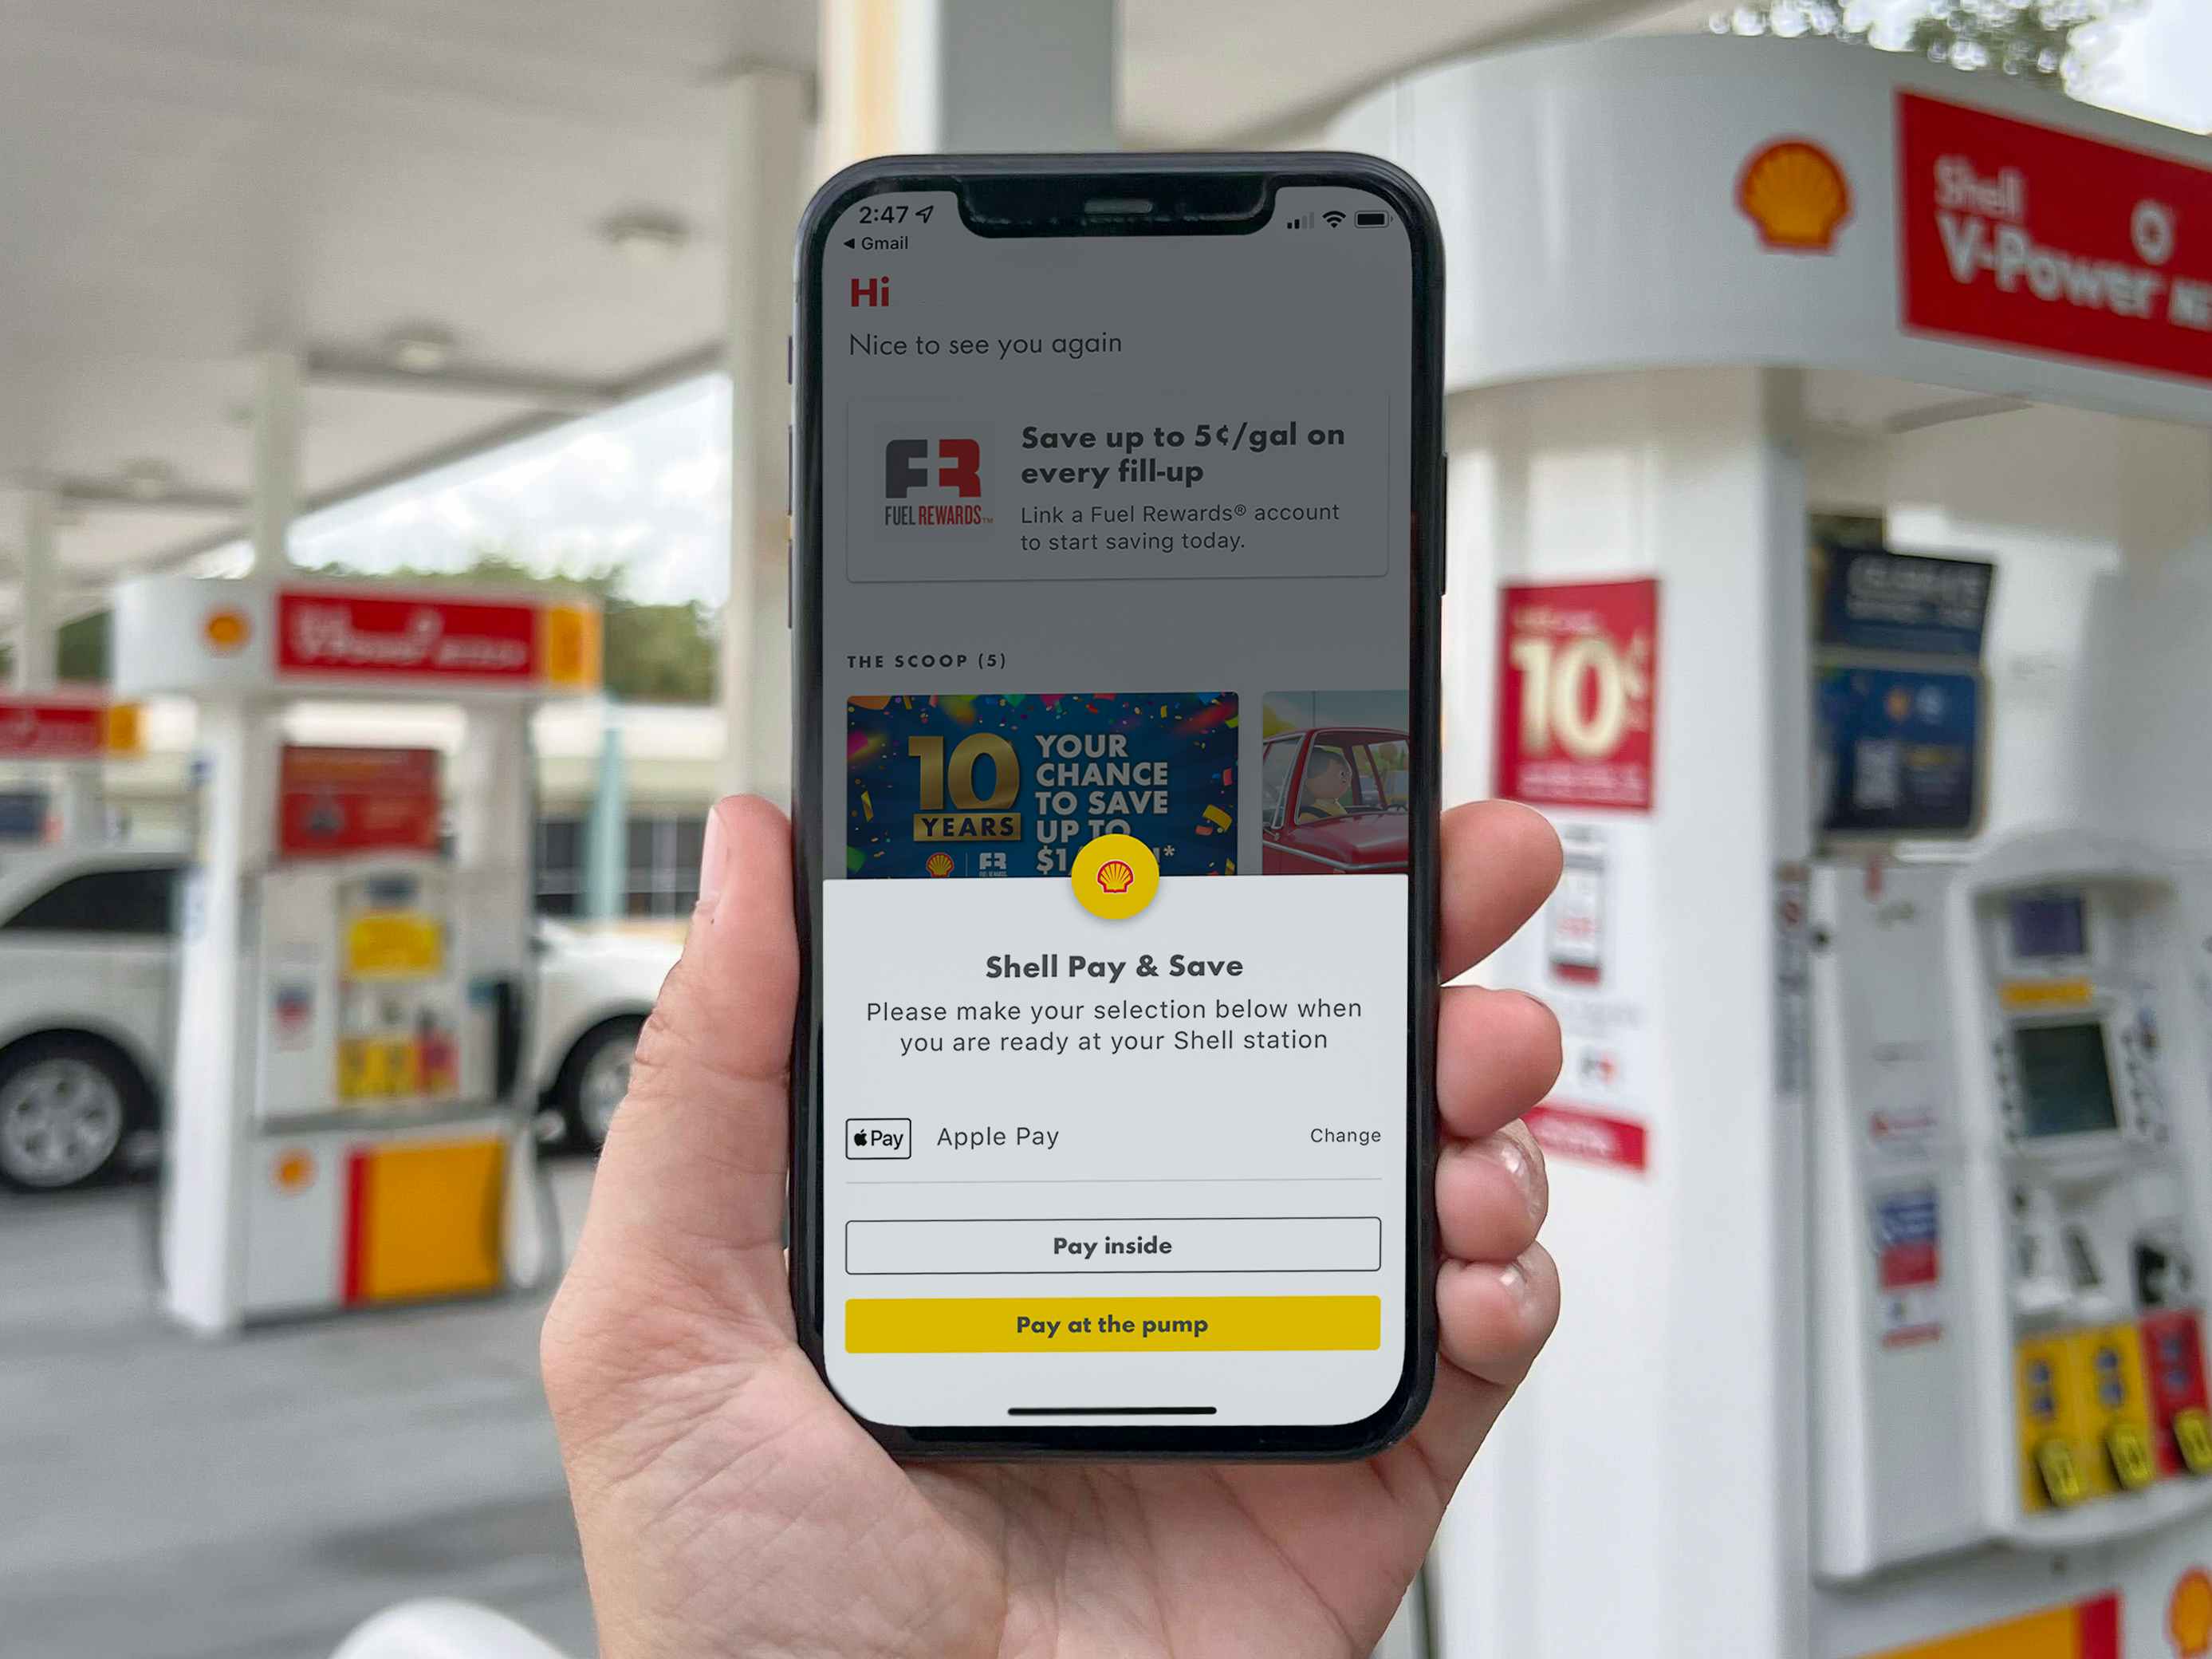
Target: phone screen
x: 1116, y: 614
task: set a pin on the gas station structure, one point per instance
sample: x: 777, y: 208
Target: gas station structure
x: 1830, y: 532
x: 1830, y: 540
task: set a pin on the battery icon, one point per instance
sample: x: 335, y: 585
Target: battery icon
x: 1366, y: 220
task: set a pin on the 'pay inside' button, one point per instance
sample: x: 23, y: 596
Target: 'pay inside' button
x: 878, y: 1137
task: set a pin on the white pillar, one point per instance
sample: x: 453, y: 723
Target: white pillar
x: 908, y: 76
x: 493, y: 828
x: 36, y: 622
x: 768, y: 175
x: 205, y: 1175
x: 278, y: 417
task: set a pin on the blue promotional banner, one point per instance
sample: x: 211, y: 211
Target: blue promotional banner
x: 1873, y: 600
x: 1015, y: 784
x: 1898, y: 750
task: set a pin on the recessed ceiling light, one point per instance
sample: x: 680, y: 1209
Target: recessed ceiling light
x: 148, y: 480
x: 646, y: 237
x: 421, y: 349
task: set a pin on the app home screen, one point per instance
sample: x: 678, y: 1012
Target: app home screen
x: 1114, y: 618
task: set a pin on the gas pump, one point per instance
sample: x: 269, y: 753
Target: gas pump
x: 350, y: 1126
x: 2012, y: 1070
x: 1881, y: 1157
x: 53, y: 746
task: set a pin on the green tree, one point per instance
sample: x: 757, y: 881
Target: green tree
x: 2053, y: 42
x: 81, y: 649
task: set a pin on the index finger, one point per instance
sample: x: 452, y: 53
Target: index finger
x: 1501, y: 861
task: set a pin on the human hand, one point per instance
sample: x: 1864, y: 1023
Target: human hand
x: 727, y: 1504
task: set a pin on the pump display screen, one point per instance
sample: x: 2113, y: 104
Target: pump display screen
x: 2048, y: 925
x: 2065, y: 1082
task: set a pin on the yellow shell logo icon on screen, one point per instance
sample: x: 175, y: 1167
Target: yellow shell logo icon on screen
x: 1797, y: 196
x: 1114, y: 877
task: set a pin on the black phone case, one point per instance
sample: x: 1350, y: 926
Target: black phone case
x: 1045, y: 195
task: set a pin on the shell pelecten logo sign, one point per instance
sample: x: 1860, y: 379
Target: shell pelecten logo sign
x: 1796, y: 195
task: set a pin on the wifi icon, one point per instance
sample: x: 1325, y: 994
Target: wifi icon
x: 1333, y: 217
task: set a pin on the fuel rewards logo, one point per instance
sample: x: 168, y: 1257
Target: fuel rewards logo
x: 945, y: 474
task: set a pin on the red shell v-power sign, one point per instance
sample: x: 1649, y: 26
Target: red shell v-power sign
x: 1578, y: 669
x: 2024, y: 237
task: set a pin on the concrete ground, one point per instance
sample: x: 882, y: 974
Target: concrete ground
x: 166, y: 1498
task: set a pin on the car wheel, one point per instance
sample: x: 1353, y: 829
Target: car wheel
x: 595, y: 1076
x: 68, y: 1104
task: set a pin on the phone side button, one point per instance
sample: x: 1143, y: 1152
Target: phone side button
x: 790, y: 496
x: 1443, y: 525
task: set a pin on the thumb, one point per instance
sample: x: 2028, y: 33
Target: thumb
x: 690, y: 1193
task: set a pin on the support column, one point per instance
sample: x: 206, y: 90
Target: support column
x: 907, y: 76
x: 36, y: 623
x: 493, y: 906
x: 896, y: 75
x: 277, y: 417
x: 209, y: 1162
x: 606, y: 833
x: 768, y: 172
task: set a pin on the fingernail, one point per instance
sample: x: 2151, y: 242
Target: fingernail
x: 1536, y: 1181
x: 713, y: 856
x: 1514, y: 1159
x: 1516, y: 1283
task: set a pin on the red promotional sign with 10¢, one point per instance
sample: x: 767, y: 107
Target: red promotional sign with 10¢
x: 1577, y: 668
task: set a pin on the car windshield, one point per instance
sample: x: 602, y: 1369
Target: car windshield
x: 1360, y: 775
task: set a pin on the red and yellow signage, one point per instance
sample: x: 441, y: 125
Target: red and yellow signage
x: 2089, y: 1630
x: 334, y: 800
x: 1589, y: 1137
x: 341, y: 633
x: 335, y: 633
x: 423, y: 1219
x: 34, y: 728
x: 1795, y: 194
x: 2020, y: 235
x: 1577, y: 667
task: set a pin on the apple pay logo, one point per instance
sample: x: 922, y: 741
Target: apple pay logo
x: 878, y: 1137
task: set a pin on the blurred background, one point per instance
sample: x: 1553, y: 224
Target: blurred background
x: 489, y: 298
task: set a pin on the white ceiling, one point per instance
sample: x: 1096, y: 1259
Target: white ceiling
x: 1205, y: 72
x: 182, y: 181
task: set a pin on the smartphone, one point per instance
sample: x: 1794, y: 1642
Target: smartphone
x: 1117, y: 536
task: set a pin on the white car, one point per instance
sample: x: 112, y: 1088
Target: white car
x: 87, y: 1012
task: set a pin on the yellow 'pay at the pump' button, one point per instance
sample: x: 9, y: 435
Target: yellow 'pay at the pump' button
x: 1155, y: 1324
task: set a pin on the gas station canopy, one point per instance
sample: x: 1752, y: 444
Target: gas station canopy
x: 467, y: 221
